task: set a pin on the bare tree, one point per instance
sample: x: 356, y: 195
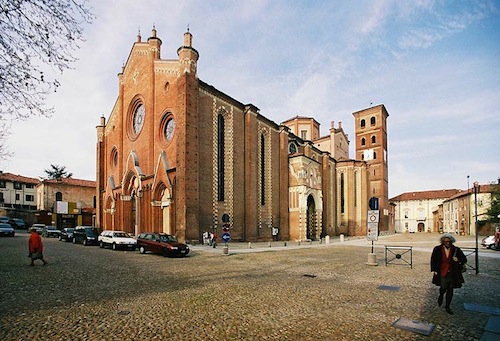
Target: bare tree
x: 37, y: 36
x: 57, y: 172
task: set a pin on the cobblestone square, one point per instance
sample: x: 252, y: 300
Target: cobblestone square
x: 306, y: 292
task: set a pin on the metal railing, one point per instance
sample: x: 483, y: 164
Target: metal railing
x: 399, y: 255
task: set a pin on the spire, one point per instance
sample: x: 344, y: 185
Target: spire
x: 139, y: 35
x: 153, y: 32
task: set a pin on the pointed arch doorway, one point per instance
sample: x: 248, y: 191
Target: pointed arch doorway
x: 311, y: 222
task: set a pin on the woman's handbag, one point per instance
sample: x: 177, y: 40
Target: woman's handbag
x: 463, y: 268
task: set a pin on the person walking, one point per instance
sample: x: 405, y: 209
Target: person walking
x: 35, y: 246
x: 446, y: 264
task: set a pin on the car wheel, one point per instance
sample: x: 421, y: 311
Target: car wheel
x: 114, y: 246
x: 85, y: 242
x: 74, y: 241
x: 142, y: 250
x: 101, y: 245
x: 60, y: 238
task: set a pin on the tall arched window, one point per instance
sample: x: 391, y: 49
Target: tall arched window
x: 363, y: 141
x: 374, y: 139
x: 262, y: 171
x: 363, y: 123
x: 220, y: 157
x: 58, y: 196
x: 342, y: 201
x: 372, y: 120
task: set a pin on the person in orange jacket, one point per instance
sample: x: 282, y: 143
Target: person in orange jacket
x: 35, y: 247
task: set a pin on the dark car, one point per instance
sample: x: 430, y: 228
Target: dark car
x: 6, y: 230
x: 17, y: 223
x: 161, y: 243
x: 51, y: 231
x: 4, y: 220
x: 87, y: 235
x: 67, y: 234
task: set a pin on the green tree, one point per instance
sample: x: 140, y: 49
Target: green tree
x: 57, y: 172
x: 493, y: 212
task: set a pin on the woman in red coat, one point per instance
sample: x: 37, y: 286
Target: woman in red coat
x: 35, y: 247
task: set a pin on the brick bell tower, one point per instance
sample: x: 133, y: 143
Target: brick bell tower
x: 371, y: 146
x: 187, y: 171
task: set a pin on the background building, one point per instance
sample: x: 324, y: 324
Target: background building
x: 17, y: 196
x: 179, y: 156
x: 66, y: 202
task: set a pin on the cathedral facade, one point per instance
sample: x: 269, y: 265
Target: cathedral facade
x: 177, y: 155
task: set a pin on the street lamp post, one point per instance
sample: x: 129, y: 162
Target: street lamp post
x: 476, y: 189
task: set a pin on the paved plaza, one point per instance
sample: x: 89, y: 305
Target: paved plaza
x: 258, y: 291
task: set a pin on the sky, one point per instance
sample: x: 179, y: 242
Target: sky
x: 435, y: 65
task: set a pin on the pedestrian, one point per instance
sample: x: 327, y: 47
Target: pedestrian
x: 214, y: 239
x: 446, y: 263
x: 35, y: 245
x: 275, y: 233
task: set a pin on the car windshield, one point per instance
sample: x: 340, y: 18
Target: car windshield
x: 51, y: 228
x: 70, y: 230
x: 121, y: 235
x: 167, y: 238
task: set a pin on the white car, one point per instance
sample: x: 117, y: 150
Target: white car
x: 117, y: 240
x: 488, y: 242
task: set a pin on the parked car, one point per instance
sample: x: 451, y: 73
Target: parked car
x: 117, y: 240
x: 51, y: 231
x: 17, y: 223
x: 488, y: 242
x: 87, y: 235
x: 38, y: 228
x: 161, y: 243
x: 4, y: 220
x: 6, y: 230
x: 67, y: 234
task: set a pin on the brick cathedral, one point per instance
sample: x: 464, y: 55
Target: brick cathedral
x: 177, y: 155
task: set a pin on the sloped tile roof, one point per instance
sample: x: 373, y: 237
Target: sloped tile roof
x: 18, y: 178
x: 72, y: 182
x: 426, y: 195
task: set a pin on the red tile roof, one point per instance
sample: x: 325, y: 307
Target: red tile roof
x: 426, y: 195
x: 18, y: 178
x: 72, y: 182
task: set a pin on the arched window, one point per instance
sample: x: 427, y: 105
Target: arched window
x: 363, y: 123
x: 363, y: 141
x: 372, y: 120
x: 342, y: 201
x: 374, y: 139
x: 58, y: 196
x: 220, y: 157
x: 374, y: 155
x: 262, y: 171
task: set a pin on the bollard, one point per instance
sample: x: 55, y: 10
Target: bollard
x: 327, y: 239
x: 341, y: 238
x: 269, y: 244
x: 249, y: 245
x: 298, y: 243
x: 372, y: 259
x: 225, y: 250
x: 285, y: 243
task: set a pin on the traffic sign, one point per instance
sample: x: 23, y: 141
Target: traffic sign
x: 373, y: 216
x: 226, y: 237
